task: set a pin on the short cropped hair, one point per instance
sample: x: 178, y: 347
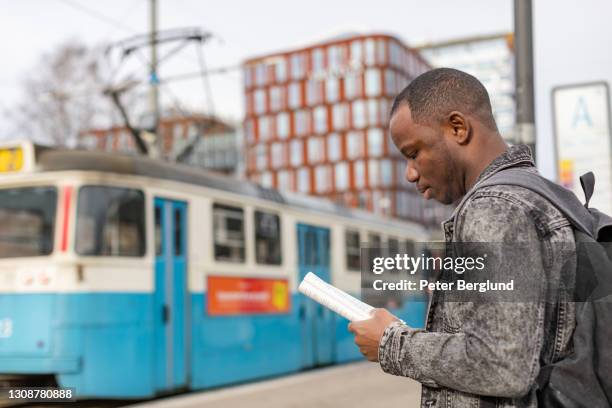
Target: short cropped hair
x: 433, y: 95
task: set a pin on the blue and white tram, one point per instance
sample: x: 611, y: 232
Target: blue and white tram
x: 126, y: 278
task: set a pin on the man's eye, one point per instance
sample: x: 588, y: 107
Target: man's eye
x: 413, y: 155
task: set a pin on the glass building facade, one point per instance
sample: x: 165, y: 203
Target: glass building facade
x: 316, y: 122
x: 491, y: 60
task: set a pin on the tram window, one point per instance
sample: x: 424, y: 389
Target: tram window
x: 228, y: 224
x: 158, y: 232
x: 393, y: 246
x: 178, y: 232
x: 27, y: 221
x: 374, y: 245
x: 110, y: 222
x: 353, y: 250
x: 267, y: 238
x: 409, y: 247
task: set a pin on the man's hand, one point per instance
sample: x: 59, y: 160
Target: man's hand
x: 369, y: 332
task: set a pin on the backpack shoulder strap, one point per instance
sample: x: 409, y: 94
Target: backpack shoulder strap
x: 563, y: 199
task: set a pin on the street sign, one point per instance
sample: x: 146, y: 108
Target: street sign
x: 581, y: 119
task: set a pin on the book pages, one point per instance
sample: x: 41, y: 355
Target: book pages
x: 335, y: 299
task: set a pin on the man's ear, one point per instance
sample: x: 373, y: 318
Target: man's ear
x: 460, y: 127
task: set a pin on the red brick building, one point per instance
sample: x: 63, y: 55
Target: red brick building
x: 316, y: 122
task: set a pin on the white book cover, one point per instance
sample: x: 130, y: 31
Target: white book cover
x: 335, y: 299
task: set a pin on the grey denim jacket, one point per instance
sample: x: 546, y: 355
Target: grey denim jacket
x: 489, y: 354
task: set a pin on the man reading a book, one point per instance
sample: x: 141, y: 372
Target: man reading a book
x: 473, y: 354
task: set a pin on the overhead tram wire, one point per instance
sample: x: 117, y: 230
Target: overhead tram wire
x: 106, y: 19
x: 96, y: 14
x: 109, y: 20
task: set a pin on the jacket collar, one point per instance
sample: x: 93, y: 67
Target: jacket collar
x: 513, y: 156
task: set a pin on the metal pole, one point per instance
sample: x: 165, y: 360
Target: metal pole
x: 523, y: 40
x: 156, y: 150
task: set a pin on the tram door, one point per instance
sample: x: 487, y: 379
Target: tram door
x: 316, y: 320
x: 170, y: 294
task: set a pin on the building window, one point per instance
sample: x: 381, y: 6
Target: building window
x: 386, y: 170
x: 303, y: 180
x: 267, y: 238
x: 297, y: 66
x: 282, y: 125
x: 313, y: 92
x: 359, y: 173
x: 359, y: 114
x: 373, y: 82
x: 320, y: 119
x: 266, y: 179
x: 297, y: 153
x: 317, y: 62
x: 340, y: 116
x: 354, y: 145
x: 334, y: 147
x: 249, y: 131
x: 375, y: 142
x: 284, y: 180
x: 352, y: 85
x: 110, y: 222
x: 247, y: 76
x: 228, y: 227
x: 373, y: 119
x: 390, y: 82
x: 383, y: 106
x: 262, y: 156
x: 356, y: 53
x: 400, y: 83
x: 395, y: 54
x: 278, y: 155
x: 332, y: 89
x: 260, y: 74
x: 341, y: 176
x: 295, y: 95
x: 276, y: 98
x: 264, y: 128
x: 373, y: 173
x: 302, y: 122
x: 353, y: 250
x: 370, y: 52
x: 381, y: 52
x: 334, y: 57
x: 281, y: 70
x: 322, y: 179
x: 260, y: 101
x: 315, y: 150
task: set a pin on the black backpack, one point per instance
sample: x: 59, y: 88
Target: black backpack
x: 584, y: 378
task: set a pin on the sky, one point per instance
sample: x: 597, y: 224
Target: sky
x: 241, y: 29
x: 571, y: 39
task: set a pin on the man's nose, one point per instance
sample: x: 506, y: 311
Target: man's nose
x: 411, y: 174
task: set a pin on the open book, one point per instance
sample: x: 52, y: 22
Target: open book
x: 335, y: 299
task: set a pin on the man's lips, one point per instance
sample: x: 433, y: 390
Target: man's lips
x: 424, y: 192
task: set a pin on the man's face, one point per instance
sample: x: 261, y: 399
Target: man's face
x: 429, y: 161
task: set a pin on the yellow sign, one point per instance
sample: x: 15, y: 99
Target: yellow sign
x: 566, y: 173
x: 11, y: 159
